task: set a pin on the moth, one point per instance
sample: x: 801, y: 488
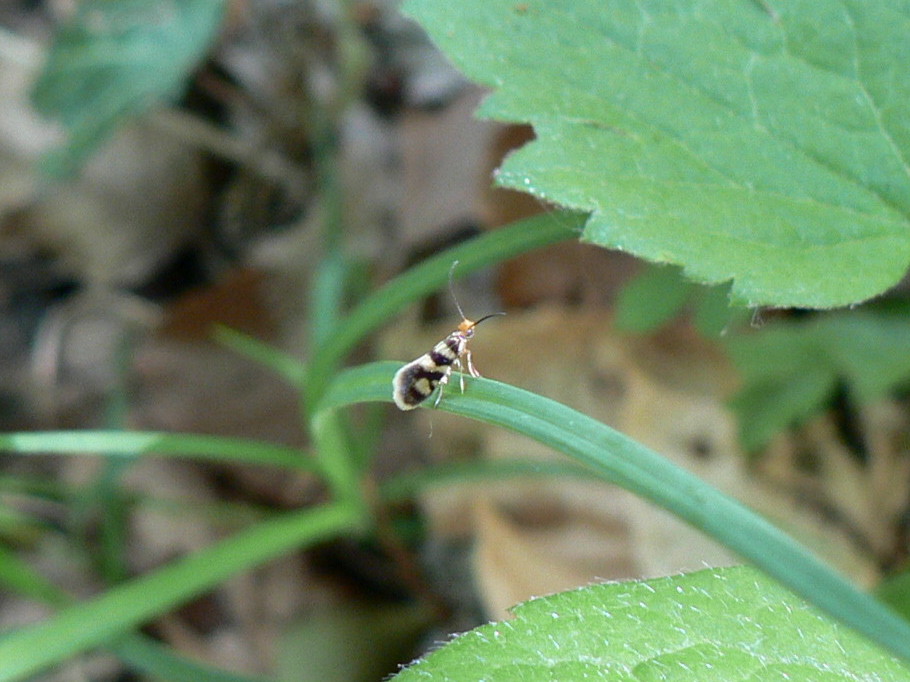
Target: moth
x: 416, y: 381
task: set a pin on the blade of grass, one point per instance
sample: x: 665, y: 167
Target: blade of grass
x: 432, y: 273
x: 111, y: 554
x: 39, y: 487
x: 125, y: 444
x: 292, y: 369
x: 95, y: 622
x: 156, y: 660
x: 21, y: 526
x: 621, y: 460
x: 369, y: 434
x: 327, y: 296
x: 407, y: 485
x: 20, y: 578
x: 104, y: 498
x: 332, y: 440
x: 140, y: 652
x: 226, y: 515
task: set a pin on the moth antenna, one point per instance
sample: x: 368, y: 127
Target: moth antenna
x: 486, y: 317
x: 452, y: 289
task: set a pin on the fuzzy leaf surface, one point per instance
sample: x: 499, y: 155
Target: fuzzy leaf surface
x: 720, y: 624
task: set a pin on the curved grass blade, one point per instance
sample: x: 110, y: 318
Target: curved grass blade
x: 148, y: 656
x: 621, y: 460
x: 487, y: 249
x: 407, y: 485
x: 283, y: 364
x: 138, y: 651
x: 18, y: 577
x: 127, y: 444
x: 93, y: 623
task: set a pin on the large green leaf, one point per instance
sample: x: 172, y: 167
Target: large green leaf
x: 763, y: 142
x: 116, y: 59
x: 724, y: 624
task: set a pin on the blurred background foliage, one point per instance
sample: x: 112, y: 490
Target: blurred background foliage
x: 169, y: 166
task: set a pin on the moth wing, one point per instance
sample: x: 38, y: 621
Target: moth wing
x: 415, y: 382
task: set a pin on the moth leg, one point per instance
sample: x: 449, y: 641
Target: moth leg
x: 456, y: 364
x: 470, y: 364
x: 440, y: 387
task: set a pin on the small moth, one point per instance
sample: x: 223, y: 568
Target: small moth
x: 416, y: 381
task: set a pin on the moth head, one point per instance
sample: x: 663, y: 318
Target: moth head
x: 467, y: 326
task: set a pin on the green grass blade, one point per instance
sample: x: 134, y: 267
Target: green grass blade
x: 327, y: 296
x: 623, y: 461
x: 93, y: 623
x: 226, y: 515
x: 150, y: 657
x: 138, y: 651
x: 20, y: 526
x: 332, y: 440
x: 33, y: 485
x: 292, y: 369
x: 18, y: 577
x: 124, y: 444
x: 407, y: 485
x: 431, y: 275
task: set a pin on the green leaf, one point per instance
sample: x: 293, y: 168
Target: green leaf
x: 620, y: 460
x: 714, y: 315
x: 895, y: 591
x: 115, y: 60
x: 871, y: 351
x: 760, y: 142
x: 721, y: 624
x: 659, y: 293
x: 764, y: 409
x: 652, y: 298
x: 790, y: 370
